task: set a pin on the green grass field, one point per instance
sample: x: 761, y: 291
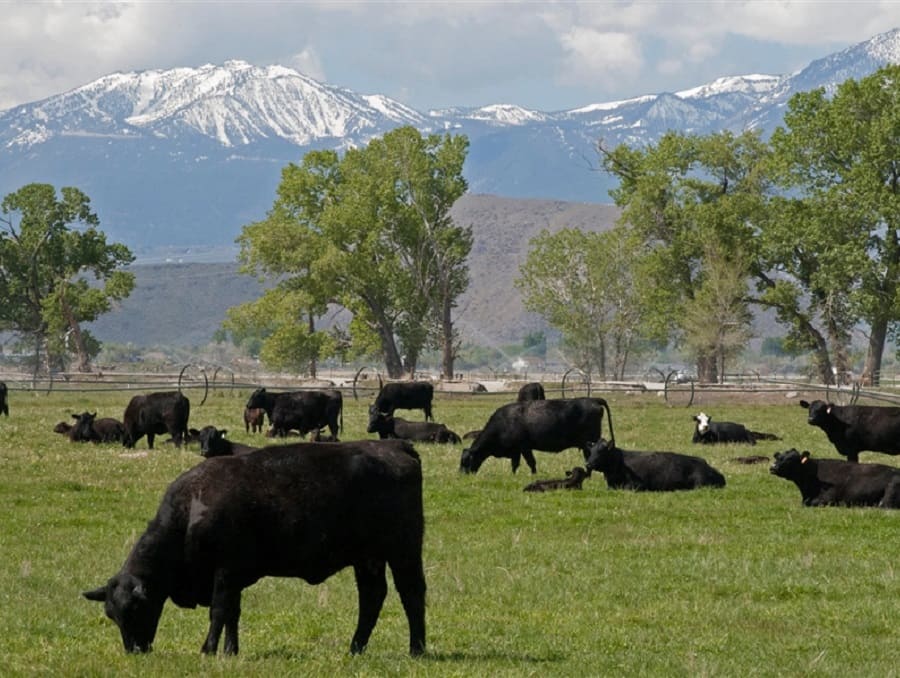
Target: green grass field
x: 742, y: 581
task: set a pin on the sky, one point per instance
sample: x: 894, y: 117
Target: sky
x: 546, y: 56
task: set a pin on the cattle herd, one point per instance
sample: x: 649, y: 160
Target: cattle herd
x: 310, y: 509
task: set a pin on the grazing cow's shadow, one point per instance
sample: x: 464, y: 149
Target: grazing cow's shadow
x: 293, y: 654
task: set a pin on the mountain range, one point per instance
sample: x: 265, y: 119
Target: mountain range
x: 183, y: 158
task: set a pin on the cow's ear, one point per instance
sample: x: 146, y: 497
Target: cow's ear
x: 76, y: 416
x: 804, y: 404
x: 97, y: 594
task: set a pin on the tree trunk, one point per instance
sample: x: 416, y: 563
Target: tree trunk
x: 312, y: 359
x: 707, y: 372
x: 877, y: 337
x: 84, y: 360
x: 447, y: 339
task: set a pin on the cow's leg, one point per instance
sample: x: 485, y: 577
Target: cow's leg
x: 853, y: 456
x: 515, y: 460
x: 529, y: 459
x: 371, y: 586
x: 150, y: 436
x: 409, y: 578
x: 428, y: 416
x: 224, y: 612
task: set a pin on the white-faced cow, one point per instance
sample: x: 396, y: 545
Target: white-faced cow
x: 531, y: 391
x: 303, y: 411
x: 389, y: 426
x: 163, y: 412
x: 514, y: 430
x: 651, y: 471
x: 306, y: 510
x: 4, y: 398
x: 835, y: 482
x: 709, y: 432
x: 403, y: 395
x: 856, y: 428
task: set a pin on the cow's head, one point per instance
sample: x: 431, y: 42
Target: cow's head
x: 702, y: 420
x: 788, y: 463
x: 211, y: 440
x: 603, y: 456
x: 379, y: 421
x: 469, y: 461
x: 132, y: 607
x: 83, y: 428
x: 257, y: 399
x: 819, y: 411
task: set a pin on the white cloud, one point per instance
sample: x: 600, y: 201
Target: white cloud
x: 599, y: 56
x: 308, y: 63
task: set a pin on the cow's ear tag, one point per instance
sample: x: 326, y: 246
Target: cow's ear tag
x: 828, y: 410
x: 804, y: 458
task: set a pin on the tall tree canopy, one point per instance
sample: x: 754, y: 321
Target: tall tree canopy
x: 687, y: 199
x: 586, y: 285
x: 837, y: 234
x: 371, y: 232
x: 44, y: 262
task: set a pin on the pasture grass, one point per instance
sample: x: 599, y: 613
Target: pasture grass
x: 742, y: 581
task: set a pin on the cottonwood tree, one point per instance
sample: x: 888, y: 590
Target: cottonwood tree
x: 584, y: 285
x: 45, y: 266
x: 677, y: 196
x: 368, y: 231
x: 837, y: 234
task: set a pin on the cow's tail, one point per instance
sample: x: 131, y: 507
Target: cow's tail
x: 612, y: 436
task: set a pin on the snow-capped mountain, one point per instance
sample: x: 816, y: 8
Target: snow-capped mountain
x: 189, y: 155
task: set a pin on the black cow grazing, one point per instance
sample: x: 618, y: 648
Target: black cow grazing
x: 403, y: 395
x: 514, y: 430
x: 164, y: 412
x: 532, y: 391
x: 572, y: 481
x: 306, y: 510
x: 856, y: 428
x: 4, y: 398
x: 651, y: 471
x: 389, y: 426
x: 835, y: 482
x: 304, y: 411
x: 87, y: 428
x: 254, y: 417
x: 213, y: 443
x: 709, y: 432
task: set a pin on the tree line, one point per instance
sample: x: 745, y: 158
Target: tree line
x: 806, y: 223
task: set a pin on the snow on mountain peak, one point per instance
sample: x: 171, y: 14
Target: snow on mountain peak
x: 745, y: 84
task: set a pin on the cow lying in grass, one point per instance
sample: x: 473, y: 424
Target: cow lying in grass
x: 213, y: 443
x: 709, y: 432
x: 835, y: 482
x: 652, y: 471
x: 572, y: 481
x: 389, y: 426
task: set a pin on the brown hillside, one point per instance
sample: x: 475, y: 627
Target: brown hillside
x: 183, y: 304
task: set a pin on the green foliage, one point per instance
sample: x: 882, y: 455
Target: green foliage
x: 714, y: 582
x: 43, y: 264
x: 584, y: 285
x: 677, y: 197
x: 369, y: 231
x: 837, y: 234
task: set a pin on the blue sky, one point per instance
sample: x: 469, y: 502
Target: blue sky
x: 540, y: 55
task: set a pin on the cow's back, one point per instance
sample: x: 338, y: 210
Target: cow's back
x: 304, y: 510
x: 871, y: 428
